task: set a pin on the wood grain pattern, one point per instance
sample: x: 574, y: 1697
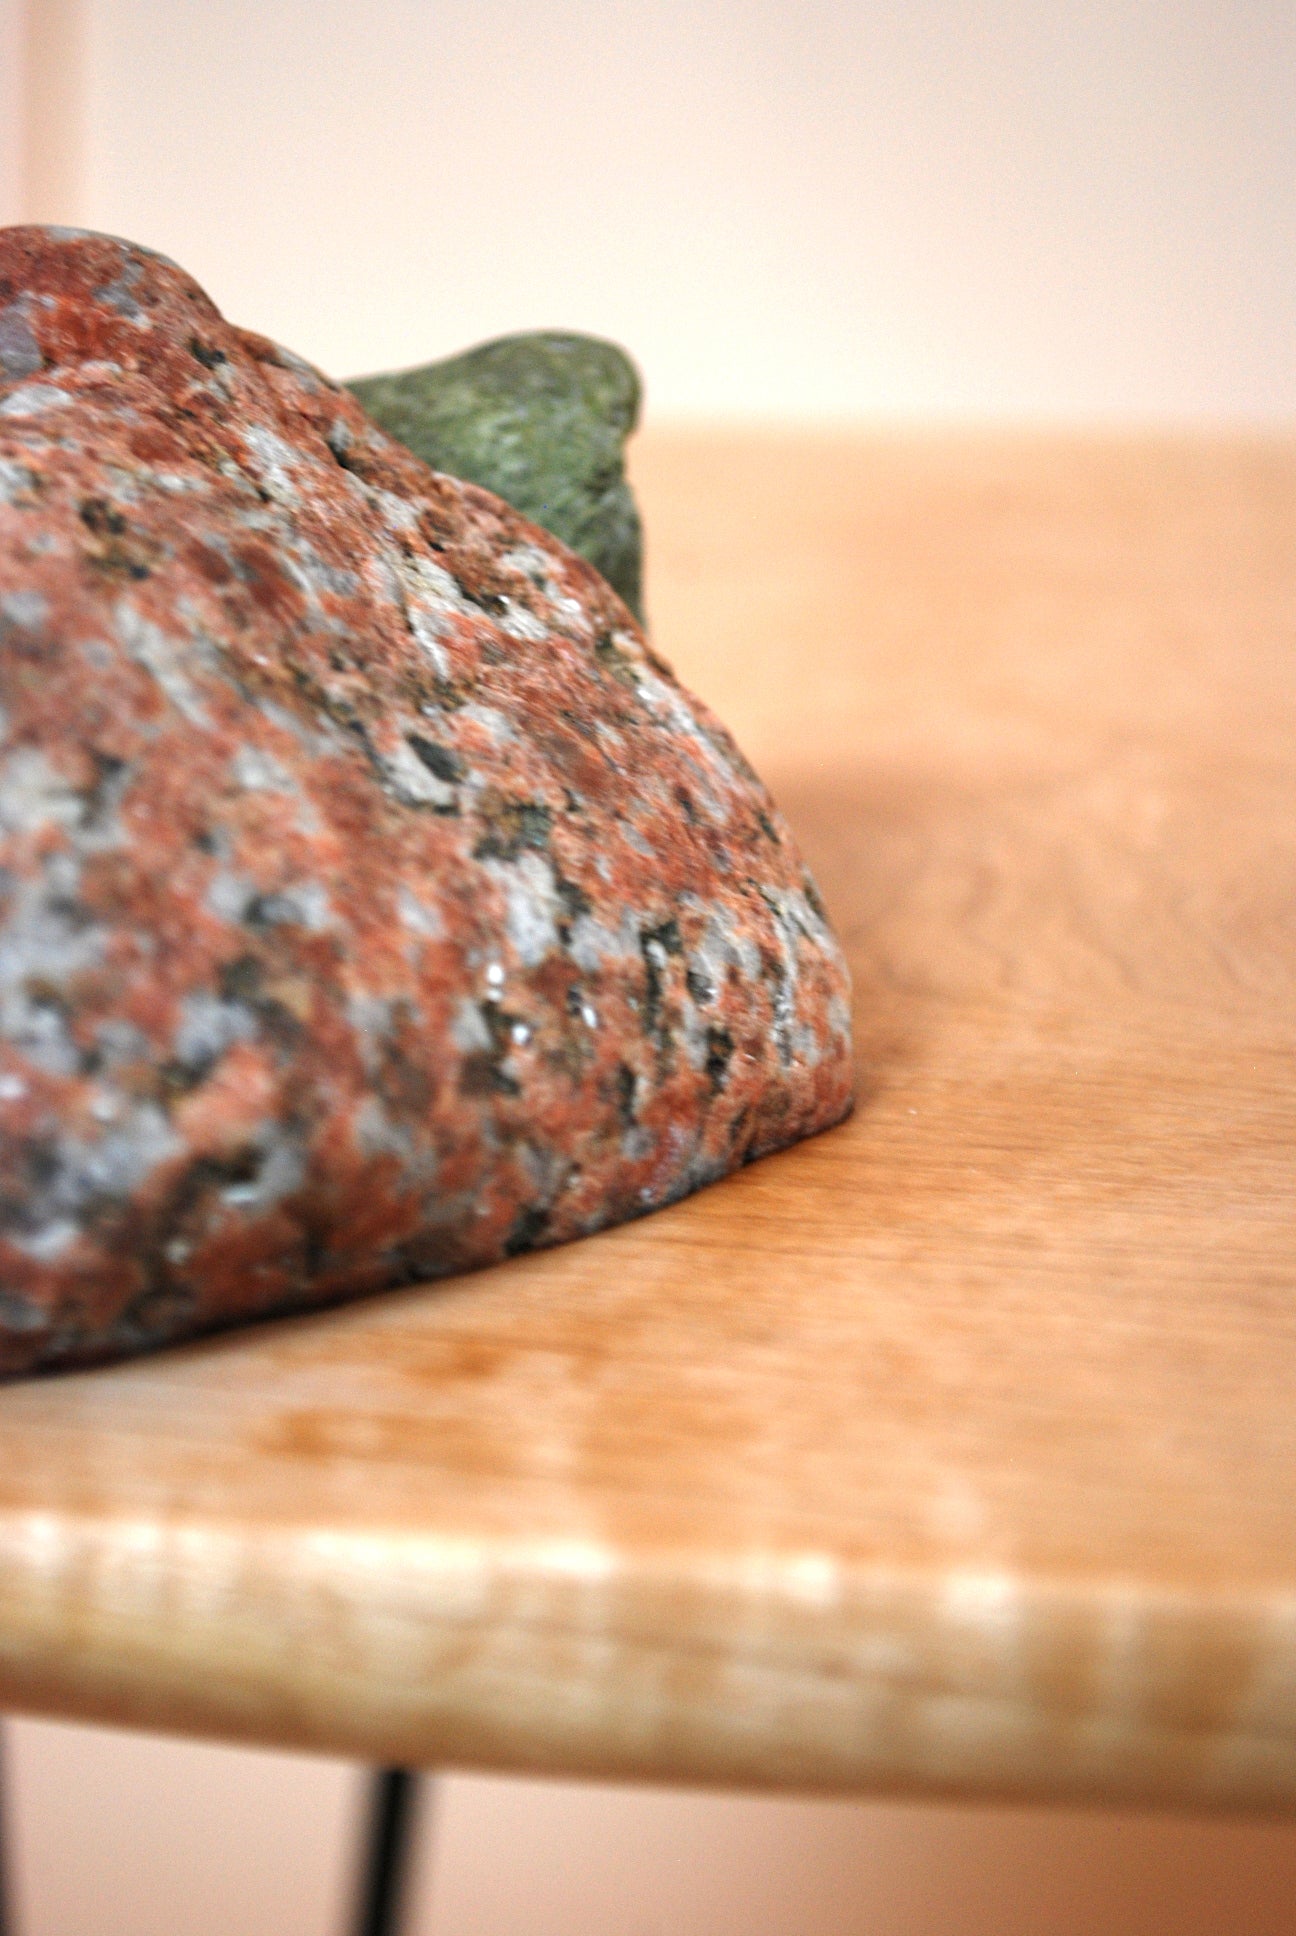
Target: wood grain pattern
x: 954, y: 1451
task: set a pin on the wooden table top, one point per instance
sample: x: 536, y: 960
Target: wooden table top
x: 952, y: 1452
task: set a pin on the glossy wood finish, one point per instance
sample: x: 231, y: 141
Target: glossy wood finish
x: 955, y: 1451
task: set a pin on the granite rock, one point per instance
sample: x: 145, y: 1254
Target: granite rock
x: 373, y: 901
x: 542, y: 421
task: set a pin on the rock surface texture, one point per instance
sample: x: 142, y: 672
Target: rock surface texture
x: 542, y: 421
x: 373, y: 902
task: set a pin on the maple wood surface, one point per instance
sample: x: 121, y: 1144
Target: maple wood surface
x: 954, y: 1451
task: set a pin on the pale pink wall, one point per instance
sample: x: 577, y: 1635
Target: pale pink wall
x: 129, y: 1835
x: 12, y: 128
x: 116, y: 1834
x: 832, y: 207
x: 588, y: 1861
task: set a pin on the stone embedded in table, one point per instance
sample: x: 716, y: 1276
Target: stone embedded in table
x: 373, y: 902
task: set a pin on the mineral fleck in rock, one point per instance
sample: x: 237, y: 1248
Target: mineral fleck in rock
x: 373, y: 901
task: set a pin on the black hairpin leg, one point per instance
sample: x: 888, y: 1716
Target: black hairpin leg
x: 393, y: 1794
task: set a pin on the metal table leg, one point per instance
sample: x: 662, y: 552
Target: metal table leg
x: 392, y: 1810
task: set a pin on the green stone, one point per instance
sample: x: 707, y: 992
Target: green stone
x: 539, y: 419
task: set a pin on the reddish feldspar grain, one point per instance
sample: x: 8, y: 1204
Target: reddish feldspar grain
x: 373, y: 902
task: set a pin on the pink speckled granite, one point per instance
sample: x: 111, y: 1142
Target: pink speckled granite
x: 373, y: 902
